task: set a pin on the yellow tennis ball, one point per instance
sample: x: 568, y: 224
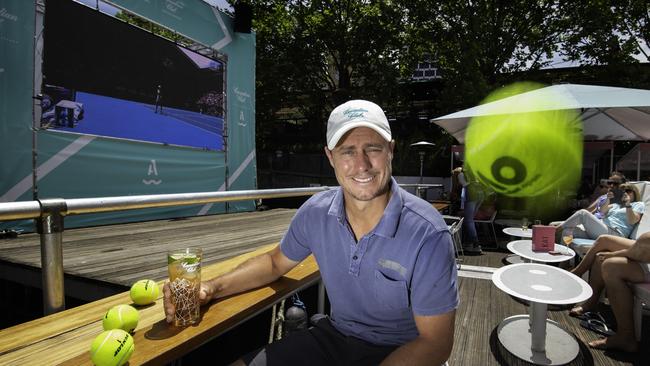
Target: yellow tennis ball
x: 522, y: 146
x: 123, y: 317
x: 144, y: 292
x: 112, y: 348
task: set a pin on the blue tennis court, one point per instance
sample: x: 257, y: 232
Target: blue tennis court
x: 106, y: 116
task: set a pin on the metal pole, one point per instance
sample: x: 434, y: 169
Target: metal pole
x: 538, y: 326
x: 421, y: 164
x: 37, y: 82
x: 50, y: 226
x: 226, y: 130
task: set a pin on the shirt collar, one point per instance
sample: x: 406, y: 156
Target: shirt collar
x: 389, y: 221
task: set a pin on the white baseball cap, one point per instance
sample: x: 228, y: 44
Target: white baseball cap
x: 353, y: 114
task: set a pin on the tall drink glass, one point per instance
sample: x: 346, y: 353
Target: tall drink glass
x: 185, y: 282
x: 524, y: 224
x: 567, y: 236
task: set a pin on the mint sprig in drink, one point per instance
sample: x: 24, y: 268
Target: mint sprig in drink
x: 185, y: 282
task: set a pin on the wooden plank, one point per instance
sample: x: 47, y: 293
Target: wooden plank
x: 66, y: 337
x: 440, y: 206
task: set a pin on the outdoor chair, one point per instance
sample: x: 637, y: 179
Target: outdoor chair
x: 455, y: 225
x: 489, y: 221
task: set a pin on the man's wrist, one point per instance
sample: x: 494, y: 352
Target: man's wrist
x: 627, y: 205
x: 213, y: 288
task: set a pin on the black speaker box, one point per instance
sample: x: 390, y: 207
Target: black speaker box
x: 243, y: 17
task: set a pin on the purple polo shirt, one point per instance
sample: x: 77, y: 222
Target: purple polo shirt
x: 404, y: 266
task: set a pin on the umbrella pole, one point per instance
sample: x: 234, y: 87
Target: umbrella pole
x: 421, y: 164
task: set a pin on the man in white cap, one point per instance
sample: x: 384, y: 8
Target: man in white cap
x: 386, y: 259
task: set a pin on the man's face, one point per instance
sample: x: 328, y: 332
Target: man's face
x: 362, y: 164
x: 614, y: 181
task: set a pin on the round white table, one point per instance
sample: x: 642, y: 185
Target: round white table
x: 519, y: 233
x: 534, y: 338
x: 524, y: 249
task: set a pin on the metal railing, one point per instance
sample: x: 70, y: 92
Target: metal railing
x: 49, y: 216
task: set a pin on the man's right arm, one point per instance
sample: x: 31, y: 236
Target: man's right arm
x: 255, y: 272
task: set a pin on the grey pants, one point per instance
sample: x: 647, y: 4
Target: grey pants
x: 594, y: 227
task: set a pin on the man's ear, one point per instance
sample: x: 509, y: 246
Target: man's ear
x: 328, y: 152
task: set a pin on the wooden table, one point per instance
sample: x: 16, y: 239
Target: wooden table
x: 440, y: 206
x: 65, y: 337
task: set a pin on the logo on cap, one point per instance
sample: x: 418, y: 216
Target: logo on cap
x: 355, y: 113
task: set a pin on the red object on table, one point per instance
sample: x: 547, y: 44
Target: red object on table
x: 543, y: 238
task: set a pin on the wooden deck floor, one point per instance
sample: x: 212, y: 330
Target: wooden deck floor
x: 121, y: 254
x: 484, y: 306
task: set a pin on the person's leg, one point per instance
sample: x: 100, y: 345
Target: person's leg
x: 319, y: 345
x: 469, y: 228
x: 308, y: 346
x: 593, y: 226
x: 617, y: 273
x: 468, y: 222
x: 608, y: 243
x: 597, y: 285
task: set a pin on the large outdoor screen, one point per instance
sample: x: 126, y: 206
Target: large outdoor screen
x: 103, y: 76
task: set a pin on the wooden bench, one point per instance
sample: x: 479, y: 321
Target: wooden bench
x: 65, y: 337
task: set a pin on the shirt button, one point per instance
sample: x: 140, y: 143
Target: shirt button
x: 355, y: 258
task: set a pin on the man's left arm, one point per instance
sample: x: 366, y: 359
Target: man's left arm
x: 432, y: 346
x: 434, y: 298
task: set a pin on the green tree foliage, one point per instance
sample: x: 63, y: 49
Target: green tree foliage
x: 152, y: 27
x: 606, y: 32
x: 312, y: 55
x: 480, y: 44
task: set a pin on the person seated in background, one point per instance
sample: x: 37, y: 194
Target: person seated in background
x: 456, y: 191
x: 613, y: 183
x: 614, y: 262
x: 618, y: 219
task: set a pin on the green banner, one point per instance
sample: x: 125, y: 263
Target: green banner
x: 74, y: 165
x: 16, y: 78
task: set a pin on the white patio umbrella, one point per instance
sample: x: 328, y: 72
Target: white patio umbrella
x: 607, y: 113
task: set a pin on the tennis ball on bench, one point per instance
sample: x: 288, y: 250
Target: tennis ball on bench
x: 112, y: 348
x: 523, y: 147
x: 144, y: 292
x: 123, y: 317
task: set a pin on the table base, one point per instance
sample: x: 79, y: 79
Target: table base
x: 514, y: 259
x: 561, y: 346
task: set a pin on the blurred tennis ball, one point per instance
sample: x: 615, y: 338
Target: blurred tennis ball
x: 522, y: 147
x: 112, y: 348
x: 123, y: 317
x: 144, y: 292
